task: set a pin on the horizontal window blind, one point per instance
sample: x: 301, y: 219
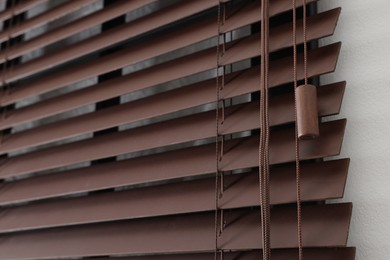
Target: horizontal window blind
x: 114, y: 129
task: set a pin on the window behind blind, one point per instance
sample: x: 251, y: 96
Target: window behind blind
x: 108, y: 132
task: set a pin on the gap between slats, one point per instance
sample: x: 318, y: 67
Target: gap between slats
x: 41, y: 19
x: 19, y: 8
x: 335, y: 253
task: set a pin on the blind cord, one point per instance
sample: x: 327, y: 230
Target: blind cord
x: 305, y: 41
x: 264, y: 190
x: 297, y: 156
x: 217, y: 136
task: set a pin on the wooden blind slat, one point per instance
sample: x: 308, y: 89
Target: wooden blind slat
x: 329, y: 103
x: 235, y: 52
x: 135, y: 177
x: 140, y: 139
x: 195, y: 196
x: 155, y: 168
x: 115, y: 175
x: 120, y: 8
x: 337, y: 253
x: 44, y: 18
x: 161, y: 235
x: 187, y: 36
x: 72, y: 28
x: 129, y: 30
x: 126, y: 172
x: 323, y: 61
x: 19, y: 8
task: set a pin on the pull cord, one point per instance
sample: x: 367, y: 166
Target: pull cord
x: 297, y: 144
x: 218, y: 147
x: 264, y: 134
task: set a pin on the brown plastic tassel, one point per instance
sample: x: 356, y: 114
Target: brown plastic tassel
x: 307, y: 112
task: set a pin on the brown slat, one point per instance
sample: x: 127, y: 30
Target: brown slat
x: 77, y: 98
x: 322, y: 61
x: 44, y: 18
x: 280, y: 38
x: 19, y: 8
x: 281, y: 150
x: 99, y: 17
x: 336, y: 253
x: 154, y: 168
x: 126, y: 31
x: 319, y: 181
x: 188, y: 233
x: 281, y: 112
x: 323, y: 226
x: 331, y: 224
x: 251, y: 15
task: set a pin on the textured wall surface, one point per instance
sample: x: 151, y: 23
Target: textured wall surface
x: 364, y: 29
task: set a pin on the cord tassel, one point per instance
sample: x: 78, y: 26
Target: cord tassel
x: 307, y: 112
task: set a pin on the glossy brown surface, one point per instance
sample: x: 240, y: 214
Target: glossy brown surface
x: 307, y: 112
x: 160, y: 202
x: 71, y: 28
x: 281, y: 112
x: 186, y: 129
x: 338, y: 253
x: 323, y: 226
x: 320, y: 181
x: 246, y: 48
x: 323, y: 61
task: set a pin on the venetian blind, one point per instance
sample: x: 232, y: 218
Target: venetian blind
x: 108, y: 122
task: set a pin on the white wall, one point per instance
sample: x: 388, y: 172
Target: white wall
x: 364, y: 29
